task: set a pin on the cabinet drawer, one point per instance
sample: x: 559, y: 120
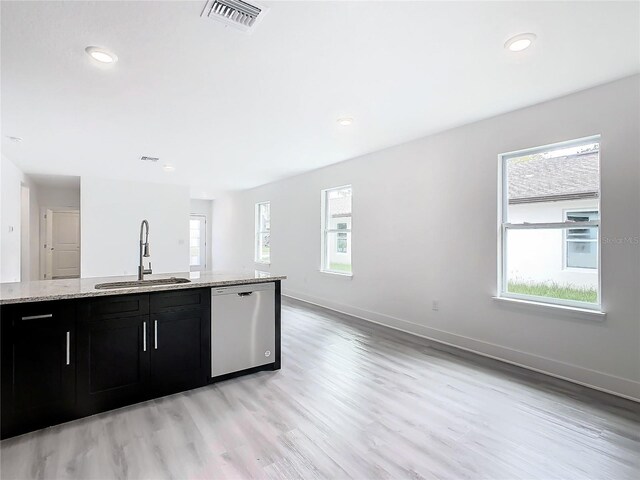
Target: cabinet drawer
x: 180, y: 300
x: 118, y: 306
x: 25, y: 315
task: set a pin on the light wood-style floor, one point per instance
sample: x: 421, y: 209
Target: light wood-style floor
x: 353, y: 400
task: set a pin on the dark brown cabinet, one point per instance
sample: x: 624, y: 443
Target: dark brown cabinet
x: 179, y: 339
x: 38, y: 366
x: 67, y: 359
x: 114, y: 363
x: 113, y: 352
x: 128, y: 354
x: 176, y: 353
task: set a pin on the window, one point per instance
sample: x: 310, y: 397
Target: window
x: 263, y: 233
x: 197, y: 242
x: 341, y: 243
x: 550, y: 224
x: 582, y: 243
x: 336, y: 230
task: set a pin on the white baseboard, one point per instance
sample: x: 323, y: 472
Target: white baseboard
x: 604, y: 382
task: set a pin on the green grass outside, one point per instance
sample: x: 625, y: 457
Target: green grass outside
x: 340, y: 267
x: 555, y: 290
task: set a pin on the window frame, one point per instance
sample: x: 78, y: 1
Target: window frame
x: 203, y: 242
x: 504, y: 226
x: 258, y: 232
x: 324, y: 237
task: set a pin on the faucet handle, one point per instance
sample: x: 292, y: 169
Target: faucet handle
x: 150, y: 268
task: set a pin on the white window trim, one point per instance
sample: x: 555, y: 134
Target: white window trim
x: 503, y: 226
x: 325, y: 231
x: 258, y: 232
x: 576, y: 312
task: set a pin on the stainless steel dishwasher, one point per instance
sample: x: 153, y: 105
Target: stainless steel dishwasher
x: 243, y: 327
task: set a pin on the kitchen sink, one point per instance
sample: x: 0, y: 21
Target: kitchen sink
x: 142, y: 283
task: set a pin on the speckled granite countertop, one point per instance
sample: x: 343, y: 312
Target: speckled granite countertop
x: 42, y: 290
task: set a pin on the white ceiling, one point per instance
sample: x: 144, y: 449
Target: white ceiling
x: 232, y: 111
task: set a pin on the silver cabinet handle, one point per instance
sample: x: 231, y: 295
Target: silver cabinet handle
x: 155, y: 334
x: 144, y: 336
x: 68, y: 348
x: 38, y: 317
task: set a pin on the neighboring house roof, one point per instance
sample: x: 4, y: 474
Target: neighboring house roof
x: 552, y: 179
x: 340, y: 207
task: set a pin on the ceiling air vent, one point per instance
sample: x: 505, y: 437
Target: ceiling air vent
x: 236, y: 13
x: 149, y: 159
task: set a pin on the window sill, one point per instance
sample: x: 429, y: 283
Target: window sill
x: 585, y: 313
x: 339, y: 274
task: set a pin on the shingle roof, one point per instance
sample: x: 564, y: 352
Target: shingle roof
x: 550, y: 179
x: 340, y: 206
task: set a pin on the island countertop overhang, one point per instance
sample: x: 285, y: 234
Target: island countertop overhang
x: 62, y: 289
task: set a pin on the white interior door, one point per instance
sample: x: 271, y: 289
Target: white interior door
x: 65, y: 244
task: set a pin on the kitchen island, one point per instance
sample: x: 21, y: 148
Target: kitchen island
x: 70, y: 349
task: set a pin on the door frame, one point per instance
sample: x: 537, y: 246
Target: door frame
x: 44, y: 236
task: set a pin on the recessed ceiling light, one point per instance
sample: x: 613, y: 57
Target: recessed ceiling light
x: 345, y: 121
x: 520, y: 42
x: 168, y: 168
x: 101, y: 55
x: 15, y: 139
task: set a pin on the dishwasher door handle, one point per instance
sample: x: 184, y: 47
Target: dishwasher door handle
x: 245, y: 294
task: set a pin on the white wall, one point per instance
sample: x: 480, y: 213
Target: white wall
x: 205, y: 207
x: 111, y: 215
x: 25, y: 232
x: 49, y: 196
x: 442, y: 221
x: 15, y: 263
x: 11, y: 178
x: 34, y: 229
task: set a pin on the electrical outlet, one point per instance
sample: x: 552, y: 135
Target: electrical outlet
x: 435, y: 306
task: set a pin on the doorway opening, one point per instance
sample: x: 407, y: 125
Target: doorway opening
x: 197, y: 242
x: 61, y: 247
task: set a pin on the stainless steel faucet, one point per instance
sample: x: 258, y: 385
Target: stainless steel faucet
x: 144, y: 251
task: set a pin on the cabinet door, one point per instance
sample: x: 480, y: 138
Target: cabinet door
x: 179, y: 353
x: 114, y: 366
x: 38, y: 366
